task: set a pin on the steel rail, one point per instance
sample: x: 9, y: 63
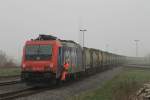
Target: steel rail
x: 3, y: 83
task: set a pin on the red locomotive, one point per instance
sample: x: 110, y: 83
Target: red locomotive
x: 48, y: 58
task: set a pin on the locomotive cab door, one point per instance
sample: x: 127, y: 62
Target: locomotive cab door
x: 60, y: 62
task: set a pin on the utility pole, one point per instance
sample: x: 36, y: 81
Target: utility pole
x: 83, y: 31
x: 136, y: 41
x: 107, y: 47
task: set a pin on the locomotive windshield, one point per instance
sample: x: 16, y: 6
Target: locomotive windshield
x: 38, y: 52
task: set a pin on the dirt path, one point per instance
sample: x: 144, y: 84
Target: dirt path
x: 76, y: 88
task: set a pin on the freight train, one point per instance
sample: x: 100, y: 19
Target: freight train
x: 46, y: 57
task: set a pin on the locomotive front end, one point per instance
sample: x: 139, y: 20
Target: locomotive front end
x: 39, y: 60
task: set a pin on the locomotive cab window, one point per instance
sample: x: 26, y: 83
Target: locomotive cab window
x: 38, y: 52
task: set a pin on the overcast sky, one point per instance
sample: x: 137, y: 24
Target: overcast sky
x: 116, y: 23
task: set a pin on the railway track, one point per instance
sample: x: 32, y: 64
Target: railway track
x: 7, y: 77
x: 10, y: 82
x: 16, y: 94
x: 28, y: 91
x: 138, y: 67
x: 24, y: 92
x: 10, y: 89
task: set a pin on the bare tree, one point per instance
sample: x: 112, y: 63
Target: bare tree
x: 3, y: 58
x: 6, y: 61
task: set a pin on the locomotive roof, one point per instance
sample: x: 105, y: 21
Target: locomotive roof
x: 50, y: 37
x: 46, y: 37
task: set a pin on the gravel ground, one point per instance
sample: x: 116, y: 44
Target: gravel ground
x: 87, y: 84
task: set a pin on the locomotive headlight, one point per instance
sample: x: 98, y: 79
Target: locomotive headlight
x: 24, y: 65
x: 51, y: 65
